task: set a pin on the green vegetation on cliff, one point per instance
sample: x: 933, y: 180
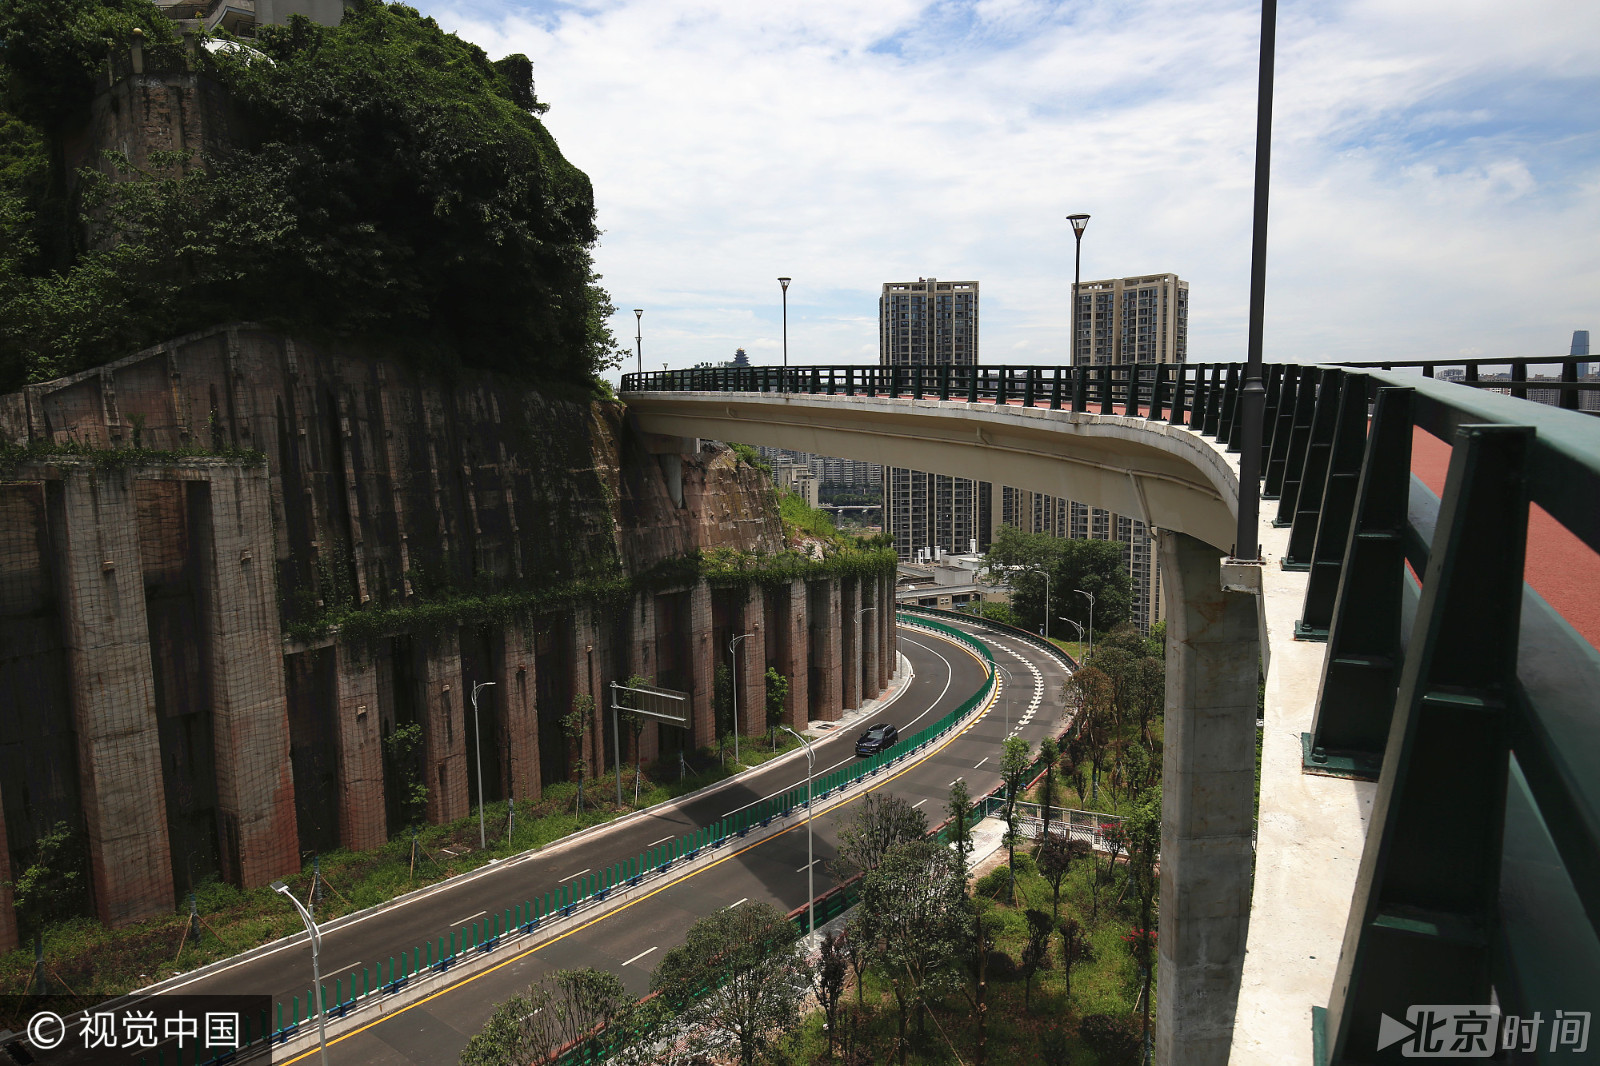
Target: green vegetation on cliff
x: 381, y: 179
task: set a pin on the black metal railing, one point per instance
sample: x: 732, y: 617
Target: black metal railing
x: 1451, y: 683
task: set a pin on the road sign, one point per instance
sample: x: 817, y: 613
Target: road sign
x: 652, y: 701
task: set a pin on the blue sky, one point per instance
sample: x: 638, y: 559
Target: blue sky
x: 1436, y: 191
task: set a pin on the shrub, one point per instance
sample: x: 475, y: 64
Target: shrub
x: 1114, y: 1040
x: 995, y: 883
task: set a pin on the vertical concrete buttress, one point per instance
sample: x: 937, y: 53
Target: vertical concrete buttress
x: 249, y: 709
x: 830, y: 701
x: 444, y: 730
x: 872, y: 638
x: 798, y: 663
x: 518, y: 689
x: 752, y: 656
x: 1208, y: 787
x: 8, y: 914
x: 702, y: 667
x: 642, y: 660
x: 95, y: 524
x: 363, y: 819
x: 850, y: 642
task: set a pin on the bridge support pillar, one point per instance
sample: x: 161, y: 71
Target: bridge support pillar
x: 444, y: 731
x: 517, y: 682
x: 363, y: 819
x: 797, y: 656
x: 643, y: 662
x: 850, y: 602
x: 1208, y: 787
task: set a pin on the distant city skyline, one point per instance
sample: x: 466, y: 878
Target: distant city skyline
x: 1432, y: 166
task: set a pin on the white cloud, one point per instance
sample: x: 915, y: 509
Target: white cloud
x: 1433, y: 165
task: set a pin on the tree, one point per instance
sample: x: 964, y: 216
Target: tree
x: 959, y: 808
x: 635, y: 723
x: 985, y: 929
x: 737, y: 976
x: 1076, y: 948
x: 404, y: 749
x: 1115, y: 836
x: 1112, y: 1039
x: 918, y: 902
x: 722, y: 707
x: 777, y: 701
x: 1049, y: 757
x: 50, y: 889
x: 584, y: 1010
x: 1036, y: 952
x: 1014, y: 764
x: 878, y: 823
x: 1095, y: 566
x: 1090, y: 692
x: 1055, y: 855
x: 827, y: 981
x: 576, y: 724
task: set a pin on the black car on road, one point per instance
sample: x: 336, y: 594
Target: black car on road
x: 879, y: 738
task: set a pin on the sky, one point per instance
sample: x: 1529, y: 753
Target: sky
x: 1435, y: 187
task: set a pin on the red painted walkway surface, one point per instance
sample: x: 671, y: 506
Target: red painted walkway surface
x: 1559, y: 566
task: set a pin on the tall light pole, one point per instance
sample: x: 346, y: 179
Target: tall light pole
x: 1003, y: 670
x: 1091, y: 618
x: 1079, y: 223
x: 1046, y: 573
x: 477, y: 737
x: 638, y: 335
x: 1253, y: 396
x: 1074, y: 625
x: 862, y: 657
x: 783, y: 283
x: 316, y: 971
x: 733, y: 679
x: 811, y: 863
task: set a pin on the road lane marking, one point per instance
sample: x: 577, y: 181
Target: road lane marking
x: 733, y: 905
x: 806, y: 867
x: 982, y: 761
x: 917, y: 804
x: 467, y: 979
x: 469, y: 918
x: 955, y: 780
x: 569, y: 877
x: 663, y: 840
x: 639, y: 956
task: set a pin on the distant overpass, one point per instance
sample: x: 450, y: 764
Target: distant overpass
x: 1429, y: 827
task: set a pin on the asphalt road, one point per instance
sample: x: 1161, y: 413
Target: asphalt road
x: 631, y: 940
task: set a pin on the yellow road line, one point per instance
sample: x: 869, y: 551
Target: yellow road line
x: 670, y: 884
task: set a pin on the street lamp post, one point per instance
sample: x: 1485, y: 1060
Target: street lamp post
x: 1074, y: 625
x: 638, y: 335
x: 316, y: 970
x: 1006, y: 672
x: 477, y: 744
x: 733, y: 683
x: 862, y: 659
x: 1091, y: 618
x: 783, y: 283
x: 1046, y: 573
x: 811, y: 863
x: 1079, y: 223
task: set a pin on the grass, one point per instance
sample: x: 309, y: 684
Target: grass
x: 1107, y: 985
x: 86, y: 958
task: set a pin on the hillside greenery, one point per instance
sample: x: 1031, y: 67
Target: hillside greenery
x: 382, y: 180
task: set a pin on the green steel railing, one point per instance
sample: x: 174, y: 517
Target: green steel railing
x: 346, y: 993
x: 999, y: 627
x: 1447, y: 680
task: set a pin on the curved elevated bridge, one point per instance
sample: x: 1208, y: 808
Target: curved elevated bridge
x: 1429, y: 826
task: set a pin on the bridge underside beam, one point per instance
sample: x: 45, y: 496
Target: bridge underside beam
x: 1163, y: 475
x: 1208, y: 788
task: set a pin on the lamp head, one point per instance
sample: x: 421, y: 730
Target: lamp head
x: 638, y: 312
x: 785, y: 283
x: 1078, y: 224
x: 278, y: 886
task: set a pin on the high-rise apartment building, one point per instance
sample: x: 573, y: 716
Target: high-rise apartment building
x: 928, y: 321
x: 1580, y: 346
x: 922, y: 323
x: 1133, y: 320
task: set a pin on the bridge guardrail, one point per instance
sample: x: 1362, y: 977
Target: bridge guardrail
x: 999, y: 627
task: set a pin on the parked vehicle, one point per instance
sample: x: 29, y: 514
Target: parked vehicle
x: 879, y: 738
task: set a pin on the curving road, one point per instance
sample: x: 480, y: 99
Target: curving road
x: 631, y: 939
